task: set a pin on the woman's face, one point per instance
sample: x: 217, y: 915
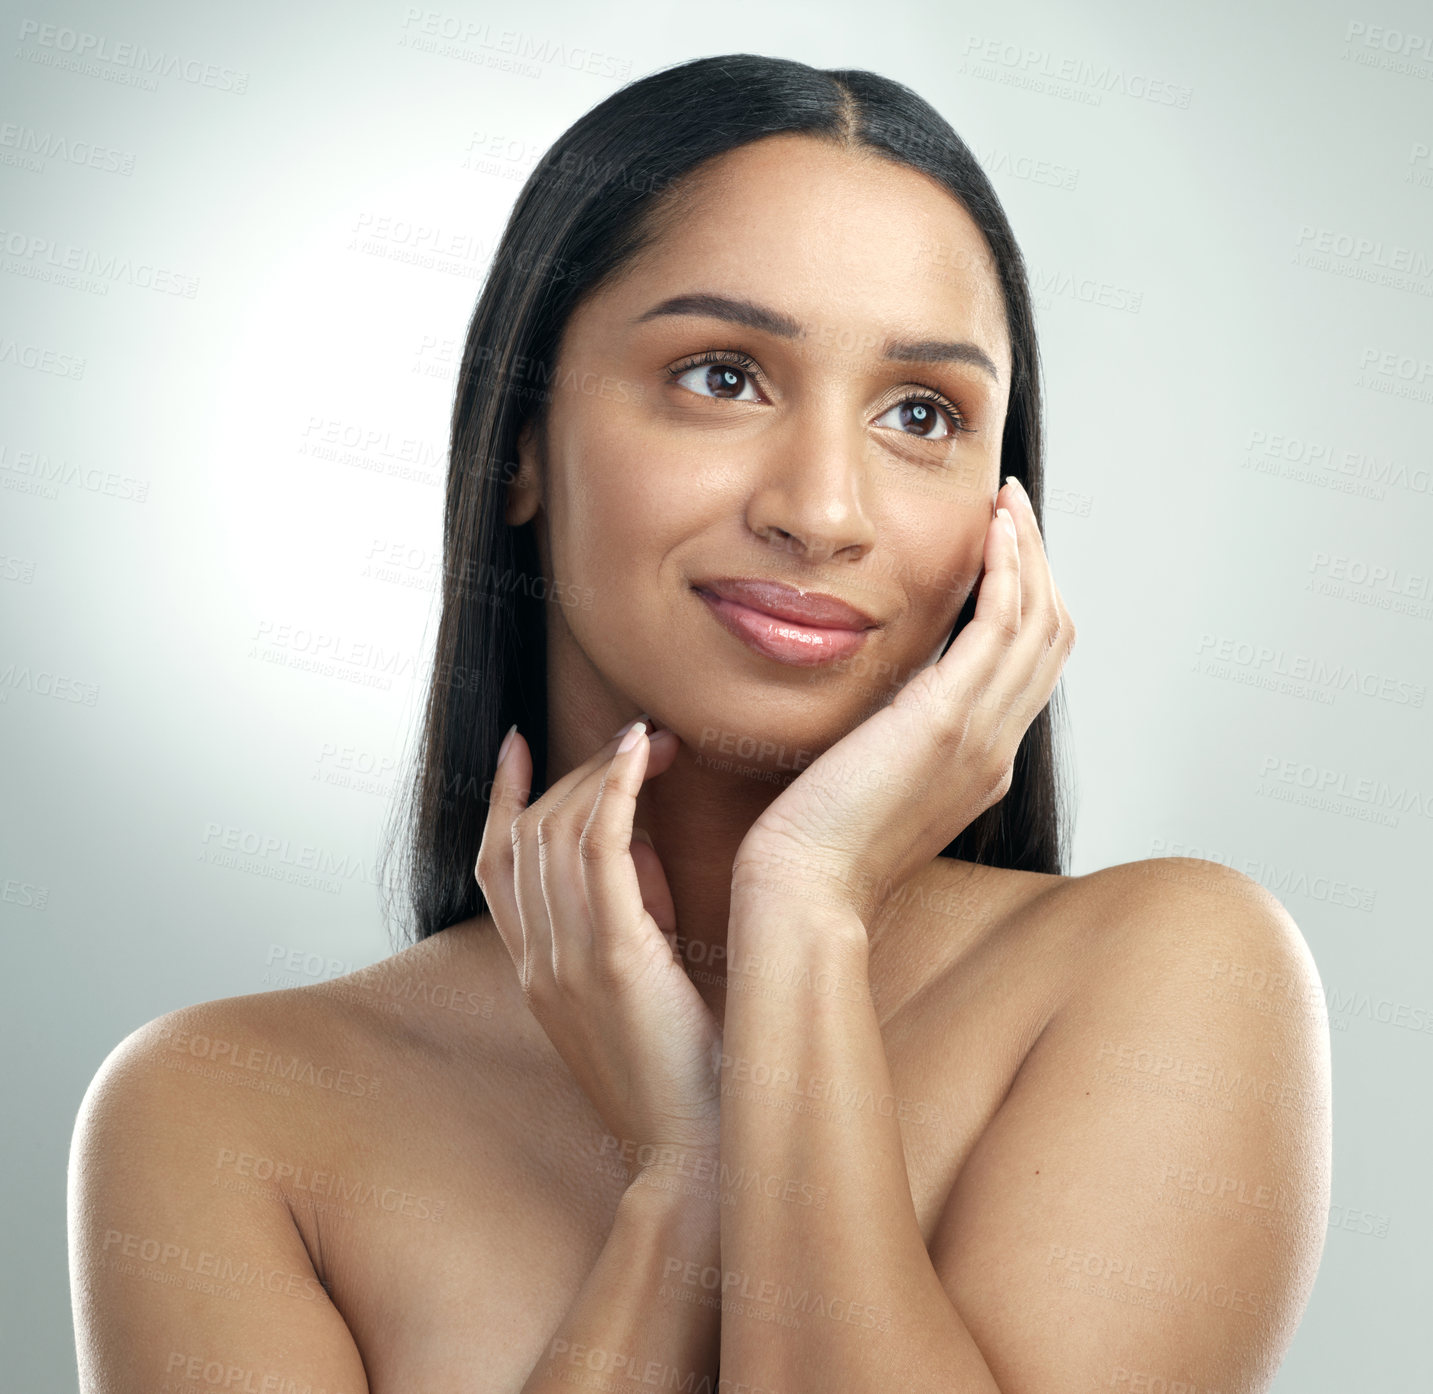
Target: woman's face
x: 804, y: 454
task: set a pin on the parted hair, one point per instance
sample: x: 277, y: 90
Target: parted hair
x: 607, y: 189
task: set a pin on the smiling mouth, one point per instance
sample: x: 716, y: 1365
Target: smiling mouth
x: 795, y: 643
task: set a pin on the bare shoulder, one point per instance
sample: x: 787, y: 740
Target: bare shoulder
x: 172, y: 1255
x: 1157, y: 1176
x: 1168, y: 950
x: 179, y: 1098
x: 286, y: 1055
x: 1172, y: 915
x: 220, y: 1056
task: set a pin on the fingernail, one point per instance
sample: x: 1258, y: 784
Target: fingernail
x: 507, y: 741
x: 627, y: 724
x: 1009, y: 521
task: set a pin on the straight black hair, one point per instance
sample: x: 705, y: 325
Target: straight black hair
x: 605, y: 191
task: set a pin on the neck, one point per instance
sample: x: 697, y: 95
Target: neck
x: 696, y: 813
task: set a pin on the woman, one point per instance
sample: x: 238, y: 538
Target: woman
x: 771, y: 1049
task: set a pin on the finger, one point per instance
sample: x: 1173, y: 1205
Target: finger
x: 536, y: 967
x: 964, y: 672
x: 999, y: 605
x: 559, y: 864
x: 1027, y: 680
x: 1051, y: 665
x: 609, y: 874
x: 1018, y: 672
x: 548, y: 880
x: 562, y: 864
x: 1032, y: 664
x: 656, y: 893
x: 1037, y: 608
x: 507, y: 797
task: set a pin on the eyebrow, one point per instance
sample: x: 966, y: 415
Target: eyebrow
x: 769, y: 321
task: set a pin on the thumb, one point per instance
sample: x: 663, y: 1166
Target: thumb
x: 652, y: 881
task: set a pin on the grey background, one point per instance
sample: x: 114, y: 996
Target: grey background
x: 1239, y: 514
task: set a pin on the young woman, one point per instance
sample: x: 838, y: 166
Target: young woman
x: 769, y: 1047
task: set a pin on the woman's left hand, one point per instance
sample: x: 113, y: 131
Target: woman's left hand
x: 886, y: 798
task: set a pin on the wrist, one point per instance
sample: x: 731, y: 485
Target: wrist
x: 689, y: 1185
x: 788, y: 913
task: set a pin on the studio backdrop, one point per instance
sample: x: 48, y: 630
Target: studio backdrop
x: 238, y: 253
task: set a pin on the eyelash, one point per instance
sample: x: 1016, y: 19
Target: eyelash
x: 734, y: 358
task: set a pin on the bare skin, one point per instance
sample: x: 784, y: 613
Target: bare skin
x: 477, y: 1120
x: 1062, y: 1049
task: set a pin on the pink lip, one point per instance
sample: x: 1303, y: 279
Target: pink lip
x: 783, y: 602
x: 801, y: 645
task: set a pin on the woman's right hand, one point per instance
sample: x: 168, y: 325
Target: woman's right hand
x: 587, y: 916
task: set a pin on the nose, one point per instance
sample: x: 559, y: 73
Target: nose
x: 810, y: 495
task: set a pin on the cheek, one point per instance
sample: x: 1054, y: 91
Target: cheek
x: 941, y: 559
x: 622, y: 501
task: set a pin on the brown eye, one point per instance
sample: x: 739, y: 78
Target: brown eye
x: 930, y: 420
x: 724, y: 381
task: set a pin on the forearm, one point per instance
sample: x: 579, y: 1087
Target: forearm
x: 630, y: 1327
x: 807, y: 1099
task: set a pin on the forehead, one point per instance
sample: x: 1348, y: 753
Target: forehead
x: 837, y: 238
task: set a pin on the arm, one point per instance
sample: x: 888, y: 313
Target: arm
x: 1066, y: 1255
x: 630, y: 1326
x: 180, y: 1286
x: 587, y: 930
x: 807, y: 1099
x: 173, y: 1281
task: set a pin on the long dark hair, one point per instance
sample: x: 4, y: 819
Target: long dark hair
x: 603, y: 193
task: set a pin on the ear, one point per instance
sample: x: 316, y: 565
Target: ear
x: 524, y: 491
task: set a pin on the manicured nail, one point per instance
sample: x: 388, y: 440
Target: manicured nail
x: 641, y: 716
x: 507, y: 741
x: 1009, y: 521
x: 635, y: 732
